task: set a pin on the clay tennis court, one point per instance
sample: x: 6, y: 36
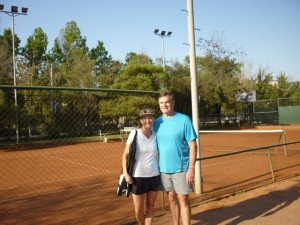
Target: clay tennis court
x: 76, y: 183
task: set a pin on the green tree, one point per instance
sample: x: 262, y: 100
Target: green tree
x: 219, y: 75
x: 295, y: 89
x: 30, y: 66
x: 7, y: 78
x: 7, y: 35
x: 103, y: 61
x: 265, y: 86
x: 73, y: 68
x: 29, y: 69
x: 70, y: 38
x: 35, y: 48
x: 284, y: 86
x: 105, y: 68
x: 218, y: 82
x: 70, y: 52
x: 6, y: 56
x: 133, y: 57
x: 179, y: 82
x: 79, y: 74
x: 5, y: 62
x: 134, y: 76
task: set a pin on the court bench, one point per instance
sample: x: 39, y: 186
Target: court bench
x: 104, y: 136
x: 125, y: 131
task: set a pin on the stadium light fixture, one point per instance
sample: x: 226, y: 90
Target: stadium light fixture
x: 13, y: 13
x: 24, y: 10
x: 163, y: 34
x: 14, y: 9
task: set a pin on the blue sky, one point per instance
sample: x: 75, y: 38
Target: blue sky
x: 268, y: 31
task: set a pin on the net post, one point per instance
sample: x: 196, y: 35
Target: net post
x: 271, y: 165
x: 284, y: 141
x: 283, y: 136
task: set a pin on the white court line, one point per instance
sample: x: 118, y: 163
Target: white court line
x: 84, y: 165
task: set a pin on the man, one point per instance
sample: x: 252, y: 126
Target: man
x: 177, y: 148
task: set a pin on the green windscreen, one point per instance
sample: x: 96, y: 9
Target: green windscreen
x: 289, y: 114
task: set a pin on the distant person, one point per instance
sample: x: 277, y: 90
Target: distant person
x: 177, y: 149
x: 145, y: 180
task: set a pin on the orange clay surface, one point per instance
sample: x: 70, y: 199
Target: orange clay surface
x: 42, y: 196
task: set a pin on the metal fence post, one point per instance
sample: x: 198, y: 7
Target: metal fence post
x: 271, y: 165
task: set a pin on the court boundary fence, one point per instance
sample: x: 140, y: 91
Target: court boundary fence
x: 212, y: 195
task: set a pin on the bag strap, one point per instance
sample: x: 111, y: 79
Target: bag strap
x: 134, y: 140
x: 131, y: 155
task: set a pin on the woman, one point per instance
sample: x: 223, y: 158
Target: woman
x: 145, y: 179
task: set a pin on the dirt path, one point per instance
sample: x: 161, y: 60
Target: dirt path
x: 274, y: 204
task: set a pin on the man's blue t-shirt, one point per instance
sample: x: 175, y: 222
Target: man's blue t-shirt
x: 173, y: 135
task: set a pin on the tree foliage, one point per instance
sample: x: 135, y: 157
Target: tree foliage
x: 218, y: 78
x: 265, y: 86
x: 35, y: 48
x: 70, y: 63
x: 5, y: 62
x: 134, y: 76
x: 103, y: 61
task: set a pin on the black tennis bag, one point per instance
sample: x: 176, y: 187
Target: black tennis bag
x: 123, y: 186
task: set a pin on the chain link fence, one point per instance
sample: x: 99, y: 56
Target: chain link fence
x: 61, y: 149
x: 269, y: 111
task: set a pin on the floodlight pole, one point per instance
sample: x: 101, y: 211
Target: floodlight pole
x: 163, y: 34
x: 13, y: 13
x: 163, y: 50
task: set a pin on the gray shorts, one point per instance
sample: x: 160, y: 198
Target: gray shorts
x: 176, y: 182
